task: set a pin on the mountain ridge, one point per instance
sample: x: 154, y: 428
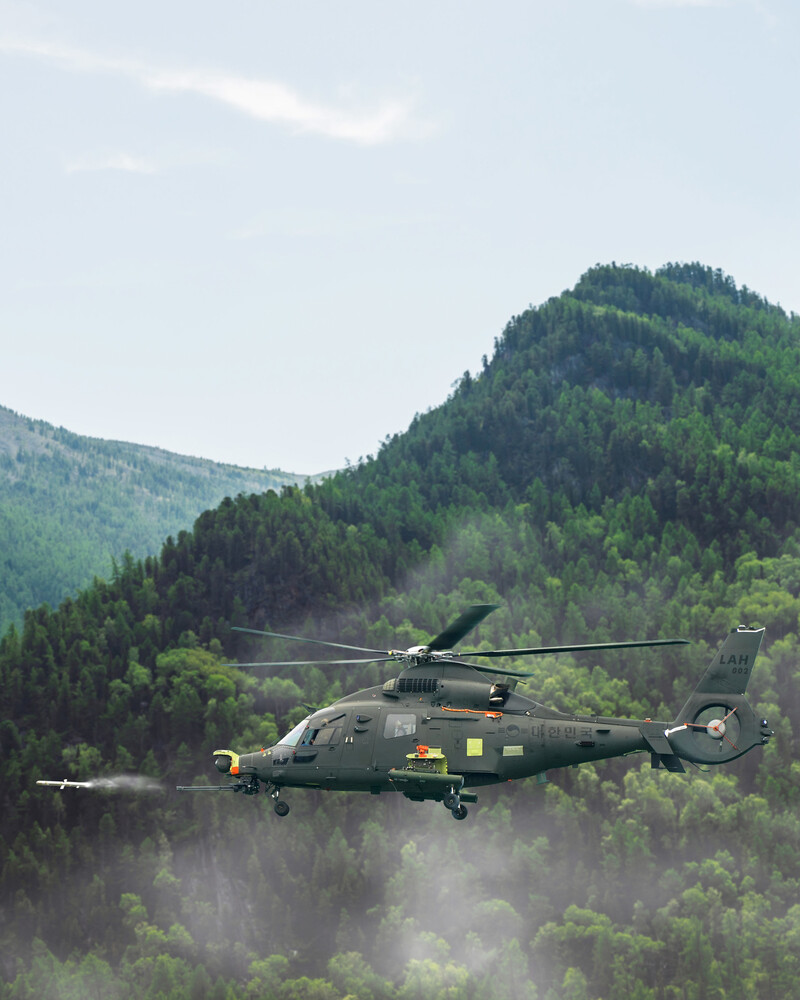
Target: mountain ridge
x: 37, y: 433
x: 70, y: 504
x: 591, y: 401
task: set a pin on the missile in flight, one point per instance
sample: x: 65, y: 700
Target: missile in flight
x: 65, y: 783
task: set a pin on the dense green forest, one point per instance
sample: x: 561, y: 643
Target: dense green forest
x: 70, y: 504
x: 624, y: 466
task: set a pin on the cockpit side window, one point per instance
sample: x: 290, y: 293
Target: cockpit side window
x: 293, y: 738
x: 321, y: 730
x: 399, y: 724
x: 328, y: 735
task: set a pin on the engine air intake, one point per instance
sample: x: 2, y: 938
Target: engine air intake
x: 417, y: 685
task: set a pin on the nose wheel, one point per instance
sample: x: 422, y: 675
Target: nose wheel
x: 460, y: 812
x: 281, y: 808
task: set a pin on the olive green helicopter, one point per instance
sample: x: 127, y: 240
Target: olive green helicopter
x: 443, y: 727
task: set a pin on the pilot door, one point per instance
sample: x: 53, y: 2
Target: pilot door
x: 357, y: 768
x: 316, y: 760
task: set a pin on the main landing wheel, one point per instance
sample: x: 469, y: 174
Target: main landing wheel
x: 281, y: 808
x: 451, y: 799
x: 460, y: 812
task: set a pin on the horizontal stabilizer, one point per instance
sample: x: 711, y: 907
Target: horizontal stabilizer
x: 655, y: 738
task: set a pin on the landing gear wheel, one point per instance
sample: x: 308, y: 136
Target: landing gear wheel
x: 460, y: 812
x: 451, y: 799
x: 282, y: 808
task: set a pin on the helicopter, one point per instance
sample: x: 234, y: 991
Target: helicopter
x: 443, y: 726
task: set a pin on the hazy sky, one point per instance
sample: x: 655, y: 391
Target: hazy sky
x: 269, y: 233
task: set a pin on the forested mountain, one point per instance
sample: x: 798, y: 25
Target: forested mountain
x: 70, y: 504
x: 624, y: 466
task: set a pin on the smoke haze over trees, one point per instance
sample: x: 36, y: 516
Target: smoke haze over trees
x: 624, y: 466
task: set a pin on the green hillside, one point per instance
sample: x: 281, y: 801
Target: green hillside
x: 70, y: 504
x: 624, y: 466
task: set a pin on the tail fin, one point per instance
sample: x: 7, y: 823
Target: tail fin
x: 732, y: 665
x: 717, y: 723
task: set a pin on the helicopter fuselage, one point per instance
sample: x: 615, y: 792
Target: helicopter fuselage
x: 486, y: 734
x: 442, y: 728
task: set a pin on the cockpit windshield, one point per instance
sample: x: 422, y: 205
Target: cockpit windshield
x: 293, y: 738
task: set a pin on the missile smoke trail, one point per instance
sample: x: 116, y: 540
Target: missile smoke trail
x: 137, y: 783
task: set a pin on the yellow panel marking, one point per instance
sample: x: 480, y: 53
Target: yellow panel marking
x: 474, y: 748
x: 512, y: 751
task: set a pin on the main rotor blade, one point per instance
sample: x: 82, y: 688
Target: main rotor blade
x: 495, y: 670
x: 538, y: 650
x: 308, y: 663
x: 317, y: 642
x: 465, y: 623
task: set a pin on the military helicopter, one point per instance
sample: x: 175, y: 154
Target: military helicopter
x: 442, y: 727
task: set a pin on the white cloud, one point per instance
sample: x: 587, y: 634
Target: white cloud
x: 265, y: 100
x: 275, y: 102
x: 111, y: 161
